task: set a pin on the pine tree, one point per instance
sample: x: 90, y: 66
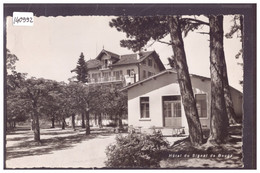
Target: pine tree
x: 219, y: 119
x: 142, y: 30
x: 82, y: 72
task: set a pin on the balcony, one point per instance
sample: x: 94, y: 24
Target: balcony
x: 107, y: 79
x: 104, y: 67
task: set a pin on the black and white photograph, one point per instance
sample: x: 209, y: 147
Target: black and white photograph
x: 129, y: 86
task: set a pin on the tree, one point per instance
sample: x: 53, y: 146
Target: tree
x: 219, y: 119
x: 82, y: 76
x: 98, y: 102
x: 80, y: 96
x: 236, y: 28
x: 16, y: 108
x: 116, y: 103
x: 36, y: 92
x: 81, y: 70
x: 142, y: 30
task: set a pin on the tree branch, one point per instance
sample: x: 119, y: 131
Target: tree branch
x: 196, y: 20
x: 164, y: 42
x: 203, y: 33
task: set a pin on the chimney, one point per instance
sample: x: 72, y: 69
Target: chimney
x: 139, y: 55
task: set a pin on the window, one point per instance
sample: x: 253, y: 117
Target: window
x: 106, y: 63
x: 144, y: 74
x: 117, y: 74
x: 201, y: 104
x: 150, y: 62
x: 155, y: 66
x: 130, y: 72
x: 95, y: 76
x: 144, y: 62
x: 172, y: 106
x: 150, y: 74
x: 106, y: 76
x: 144, y: 107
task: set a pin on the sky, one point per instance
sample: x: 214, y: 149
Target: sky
x: 52, y: 46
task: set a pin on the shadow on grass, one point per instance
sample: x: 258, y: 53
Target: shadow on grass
x: 47, y: 146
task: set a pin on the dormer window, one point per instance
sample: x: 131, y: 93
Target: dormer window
x: 150, y: 62
x: 144, y: 62
x: 106, y: 63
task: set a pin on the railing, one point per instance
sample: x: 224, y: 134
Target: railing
x: 106, y: 79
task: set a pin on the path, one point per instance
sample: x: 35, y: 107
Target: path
x: 60, y: 149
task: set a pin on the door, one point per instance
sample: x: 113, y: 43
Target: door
x: 172, y: 113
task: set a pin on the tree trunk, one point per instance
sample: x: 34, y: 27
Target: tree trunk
x: 73, y: 121
x: 36, y: 126
x: 188, y: 99
x: 52, y: 122
x: 120, y: 124
x: 63, y: 123
x: 32, y: 123
x: 95, y: 119
x: 87, y: 123
x: 219, y: 120
x: 227, y: 96
x: 83, y: 119
x: 100, y: 120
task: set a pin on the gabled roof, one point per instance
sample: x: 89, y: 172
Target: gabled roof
x: 149, y: 78
x: 133, y: 59
x: 93, y: 63
x: 172, y: 71
x: 127, y: 59
x: 124, y: 59
x: 113, y: 55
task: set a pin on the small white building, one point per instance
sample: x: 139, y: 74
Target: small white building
x: 156, y: 101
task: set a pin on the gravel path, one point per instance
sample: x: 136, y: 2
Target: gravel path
x: 70, y: 151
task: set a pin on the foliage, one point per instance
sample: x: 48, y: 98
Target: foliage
x: 136, y: 151
x: 81, y: 70
x: 142, y: 29
x: 17, y: 109
x: 11, y: 59
x: 115, y: 102
x: 235, y: 28
x: 238, y: 29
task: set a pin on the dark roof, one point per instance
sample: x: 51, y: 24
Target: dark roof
x: 124, y: 59
x: 132, y: 58
x: 93, y: 63
x: 127, y: 59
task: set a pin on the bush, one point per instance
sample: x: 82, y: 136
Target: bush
x: 136, y: 151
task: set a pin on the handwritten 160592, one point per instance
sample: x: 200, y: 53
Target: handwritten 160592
x: 17, y: 20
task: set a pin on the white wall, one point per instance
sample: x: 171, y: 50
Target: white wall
x: 155, y: 89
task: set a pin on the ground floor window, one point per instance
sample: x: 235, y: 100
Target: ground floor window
x: 172, y: 111
x: 172, y: 106
x: 144, y: 107
x: 201, y: 104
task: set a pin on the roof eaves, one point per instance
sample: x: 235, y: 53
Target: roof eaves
x: 149, y: 78
x: 143, y: 58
